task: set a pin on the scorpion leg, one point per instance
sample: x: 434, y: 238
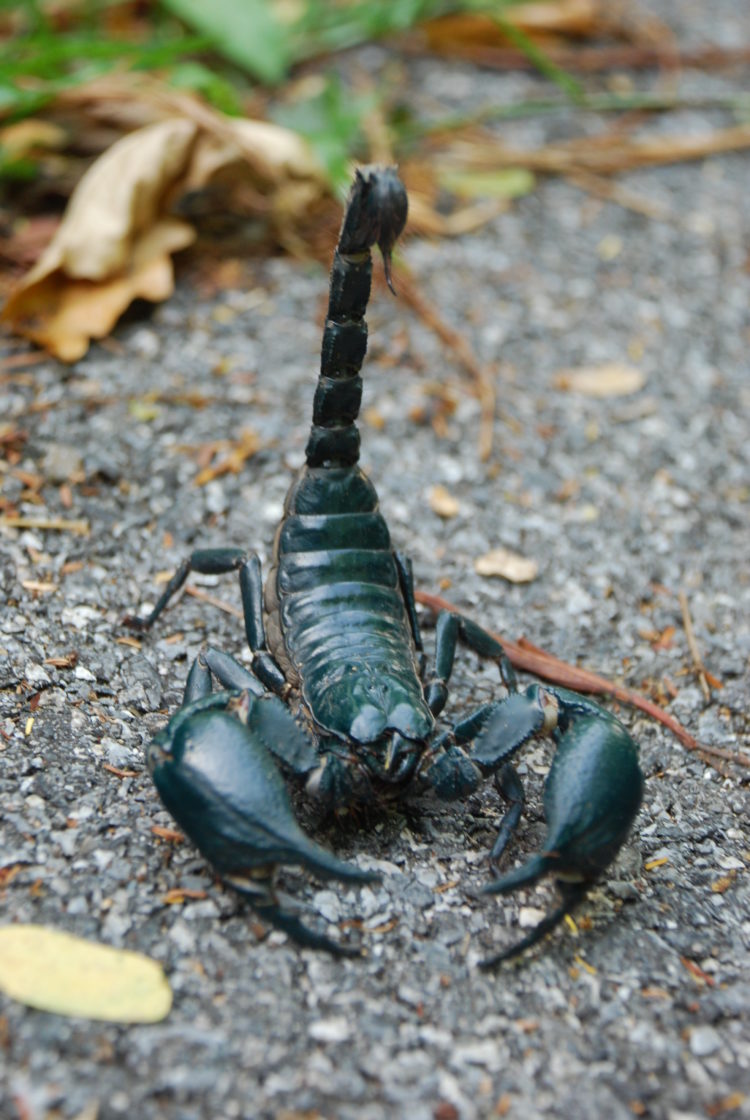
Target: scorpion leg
x: 214, y: 772
x: 205, y: 561
x: 406, y: 581
x: 449, y: 629
x: 221, y: 561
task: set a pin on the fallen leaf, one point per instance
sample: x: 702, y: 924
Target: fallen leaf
x: 609, y: 247
x: 167, y: 833
x: 55, y: 971
x: 724, y: 883
x: 613, y: 379
x: 240, y: 450
x: 113, y: 245
x: 726, y: 1104
x: 25, y: 138
x: 178, y: 895
x: 506, y: 182
x: 443, y: 503
x: 652, y: 864
x: 508, y: 565
x: 143, y: 409
x: 563, y: 17
x: 117, y: 237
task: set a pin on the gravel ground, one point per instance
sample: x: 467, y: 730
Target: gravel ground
x: 624, y: 502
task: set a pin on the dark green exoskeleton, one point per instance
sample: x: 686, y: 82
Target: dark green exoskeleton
x: 336, y: 696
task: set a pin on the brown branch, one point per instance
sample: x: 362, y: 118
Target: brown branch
x: 206, y: 597
x: 529, y: 658
x: 610, y: 153
x: 589, y: 60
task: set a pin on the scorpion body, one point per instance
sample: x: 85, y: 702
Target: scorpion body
x: 336, y: 694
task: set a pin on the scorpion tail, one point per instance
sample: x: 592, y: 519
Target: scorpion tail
x: 375, y: 215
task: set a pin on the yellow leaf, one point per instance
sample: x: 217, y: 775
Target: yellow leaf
x: 613, y: 379
x: 508, y: 565
x: 504, y: 182
x: 55, y: 971
x: 652, y: 864
x: 610, y: 247
x: 118, y: 198
x: 143, y: 409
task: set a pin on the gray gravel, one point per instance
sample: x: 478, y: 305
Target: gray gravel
x: 624, y: 502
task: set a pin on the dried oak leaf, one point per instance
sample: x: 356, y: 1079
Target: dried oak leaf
x: 113, y: 245
x: 443, y: 503
x: 116, y: 239
x: 508, y: 565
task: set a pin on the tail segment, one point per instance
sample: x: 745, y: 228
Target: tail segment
x: 375, y: 215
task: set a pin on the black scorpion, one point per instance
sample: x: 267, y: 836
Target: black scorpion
x: 336, y: 695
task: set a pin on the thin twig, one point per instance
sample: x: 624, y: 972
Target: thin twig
x: 589, y: 60
x: 642, y: 101
x: 456, y: 342
x: 205, y: 597
x: 601, y: 187
x: 698, y: 665
x: 58, y: 524
x: 23, y: 359
x: 610, y: 153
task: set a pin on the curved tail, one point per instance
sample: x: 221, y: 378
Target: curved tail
x: 375, y: 215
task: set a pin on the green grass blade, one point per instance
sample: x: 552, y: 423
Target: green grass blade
x: 243, y: 31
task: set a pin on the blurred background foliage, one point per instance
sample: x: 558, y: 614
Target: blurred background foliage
x: 226, y: 52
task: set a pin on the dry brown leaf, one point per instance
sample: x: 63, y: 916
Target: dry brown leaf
x: 556, y: 17
x: 113, y: 245
x: 503, y: 563
x: 63, y: 314
x: 443, y: 503
x: 117, y: 237
x: 613, y: 379
x: 275, y: 154
x: 239, y: 451
x: 32, y: 135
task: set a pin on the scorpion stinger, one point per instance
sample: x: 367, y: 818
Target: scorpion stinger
x: 335, y: 698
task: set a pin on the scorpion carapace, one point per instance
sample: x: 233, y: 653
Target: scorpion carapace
x: 336, y: 697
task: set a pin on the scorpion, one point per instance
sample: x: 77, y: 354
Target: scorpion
x: 337, y: 695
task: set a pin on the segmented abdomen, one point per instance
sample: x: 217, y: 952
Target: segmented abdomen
x: 335, y: 611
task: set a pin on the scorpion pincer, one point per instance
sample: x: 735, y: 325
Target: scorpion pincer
x: 337, y: 697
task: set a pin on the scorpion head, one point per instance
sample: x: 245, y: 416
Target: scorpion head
x: 379, y: 731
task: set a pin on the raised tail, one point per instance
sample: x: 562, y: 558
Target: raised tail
x: 375, y: 215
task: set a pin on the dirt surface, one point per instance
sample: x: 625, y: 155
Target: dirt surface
x: 624, y: 502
